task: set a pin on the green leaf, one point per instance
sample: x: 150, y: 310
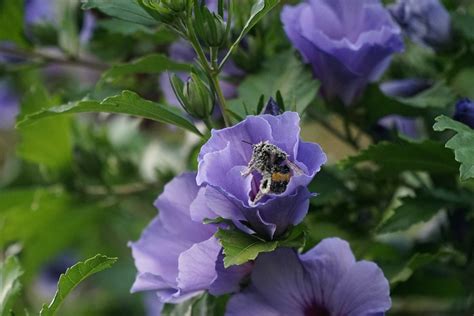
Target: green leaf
x: 127, y: 102
x: 414, y: 210
x: 11, y: 22
x: 294, y: 238
x: 240, y: 247
x: 439, y: 96
x: 73, y: 276
x: 463, y: 23
x: 68, y: 32
x: 259, y: 10
x: 10, y: 272
x: 462, y: 143
x: 151, y: 64
x: 417, y: 261
x: 49, y: 142
x: 27, y: 213
x: 128, y: 10
x: 203, y: 305
x: 329, y: 186
x: 372, y: 99
x: 393, y: 158
x: 122, y: 27
x: 284, y: 73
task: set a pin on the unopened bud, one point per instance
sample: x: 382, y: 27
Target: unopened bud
x: 211, y: 28
x: 465, y: 112
x: 194, y: 96
x: 163, y: 10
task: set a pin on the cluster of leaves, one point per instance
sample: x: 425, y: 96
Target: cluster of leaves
x: 75, y: 184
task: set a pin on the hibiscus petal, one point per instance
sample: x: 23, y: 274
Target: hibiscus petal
x: 363, y: 290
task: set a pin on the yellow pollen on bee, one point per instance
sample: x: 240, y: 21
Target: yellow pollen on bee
x: 278, y: 176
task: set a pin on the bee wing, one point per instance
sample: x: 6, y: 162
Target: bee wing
x: 294, y: 167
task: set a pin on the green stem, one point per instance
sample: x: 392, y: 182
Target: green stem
x: 31, y: 55
x: 221, y: 98
x: 197, y: 47
x: 208, y: 123
x: 334, y: 131
x: 347, y: 129
x: 214, y: 59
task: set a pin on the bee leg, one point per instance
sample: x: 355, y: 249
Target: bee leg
x: 294, y: 167
x: 258, y: 197
x: 248, y: 170
x: 264, y: 189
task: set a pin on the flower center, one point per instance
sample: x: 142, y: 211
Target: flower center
x: 316, y: 310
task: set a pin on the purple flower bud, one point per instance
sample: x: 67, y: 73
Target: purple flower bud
x: 403, y: 125
x: 465, y: 112
x: 425, y: 21
x: 405, y: 88
x: 9, y: 106
x: 326, y: 280
x: 347, y: 43
x: 272, y: 108
x: 177, y: 257
x: 231, y: 188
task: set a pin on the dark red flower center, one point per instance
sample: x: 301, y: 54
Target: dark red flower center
x: 316, y: 310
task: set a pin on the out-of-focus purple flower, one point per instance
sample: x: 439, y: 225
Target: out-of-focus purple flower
x: 89, y: 23
x: 230, y: 195
x: 402, y: 89
x: 403, y: 125
x: 9, y: 105
x: 405, y: 88
x: 181, y: 51
x: 465, y: 112
x: 324, y: 281
x: 43, y: 12
x: 47, y: 282
x: 176, y: 257
x: 40, y: 12
x: 347, y: 43
x: 426, y: 22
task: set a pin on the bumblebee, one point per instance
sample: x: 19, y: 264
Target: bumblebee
x: 273, y: 165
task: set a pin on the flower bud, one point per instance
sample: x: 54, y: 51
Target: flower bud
x: 163, y: 10
x: 175, y: 5
x: 194, y: 95
x: 464, y: 112
x: 210, y: 27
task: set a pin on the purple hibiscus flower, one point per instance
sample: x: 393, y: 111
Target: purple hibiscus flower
x: 464, y: 112
x: 324, y: 281
x: 229, y: 194
x: 181, y: 51
x: 402, y: 89
x: 9, y: 105
x: 426, y: 22
x: 178, y: 258
x: 347, y: 43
